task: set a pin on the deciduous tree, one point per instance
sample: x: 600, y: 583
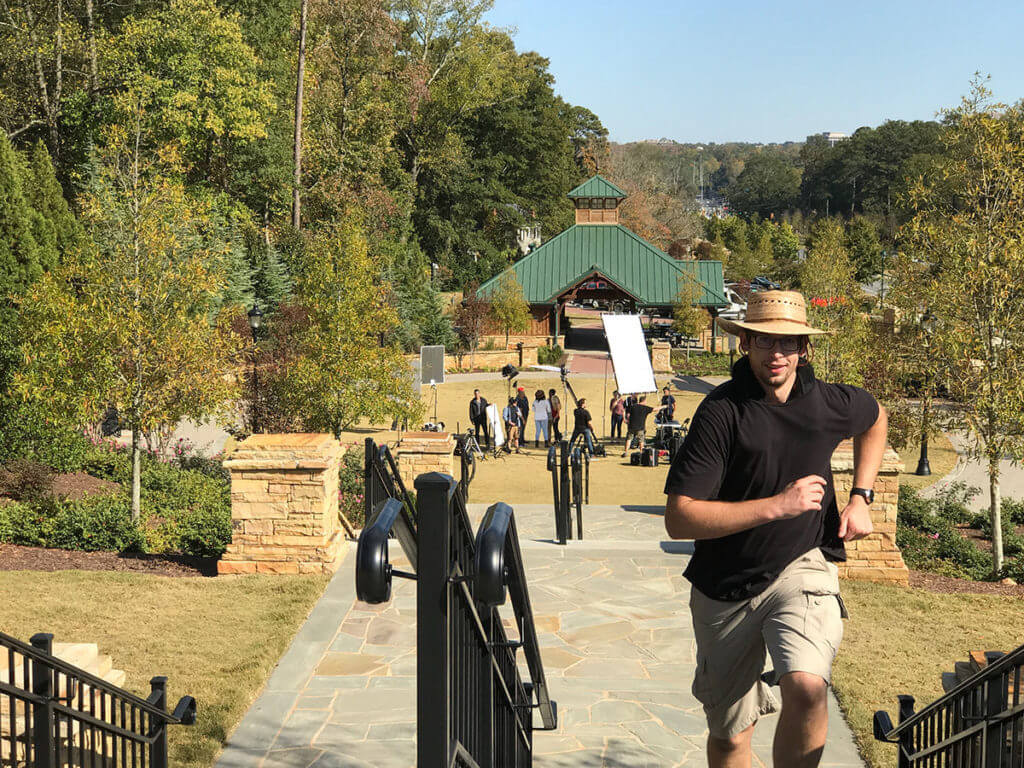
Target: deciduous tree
x: 345, y: 368
x: 968, y: 227
x: 509, y: 309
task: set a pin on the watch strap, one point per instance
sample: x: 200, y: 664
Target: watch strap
x: 866, y: 493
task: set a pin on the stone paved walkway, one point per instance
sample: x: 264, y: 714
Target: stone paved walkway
x: 615, y: 636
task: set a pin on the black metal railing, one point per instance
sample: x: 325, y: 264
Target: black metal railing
x: 473, y: 706
x: 467, y: 464
x: 382, y: 481
x: 54, y: 714
x: 978, y: 724
x: 570, y: 484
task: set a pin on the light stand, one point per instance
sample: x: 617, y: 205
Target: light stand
x: 928, y: 326
x: 255, y: 321
x: 433, y: 386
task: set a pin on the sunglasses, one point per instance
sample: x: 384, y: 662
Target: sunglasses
x: 787, y: 344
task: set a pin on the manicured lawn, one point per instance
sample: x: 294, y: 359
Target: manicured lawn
x: 901, y: 640
x: 215, y: 639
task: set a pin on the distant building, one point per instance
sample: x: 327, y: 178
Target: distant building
x: 528, y: 237
x: 599, y: 260
x: 834, y: 137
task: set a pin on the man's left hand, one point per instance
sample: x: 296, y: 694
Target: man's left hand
x: 855, y: 520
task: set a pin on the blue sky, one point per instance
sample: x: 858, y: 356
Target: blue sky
x: 748, y: 71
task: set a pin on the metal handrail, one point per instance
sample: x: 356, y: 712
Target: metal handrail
x: 993, y: 669
x: 499, y: 567
x: 373, y: 566
x: 94, y: 682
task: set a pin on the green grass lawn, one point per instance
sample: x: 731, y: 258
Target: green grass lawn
x: 215, y: 639
x: 901, y: 640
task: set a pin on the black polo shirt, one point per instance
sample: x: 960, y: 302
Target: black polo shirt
x: 741, y: 446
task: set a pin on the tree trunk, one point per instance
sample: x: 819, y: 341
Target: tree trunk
x: 136, y: 474
x: 996, y: 511
x: 300, y: 76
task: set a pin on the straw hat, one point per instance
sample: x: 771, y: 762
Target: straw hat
x: 780, y: 313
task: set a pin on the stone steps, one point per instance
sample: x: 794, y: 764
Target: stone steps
x: 84, y: 656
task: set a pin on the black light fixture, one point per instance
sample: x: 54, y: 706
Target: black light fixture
x: 928, y: 322
x: 255, y: 321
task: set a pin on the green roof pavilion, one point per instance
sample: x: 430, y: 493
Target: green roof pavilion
x: 598, y: 258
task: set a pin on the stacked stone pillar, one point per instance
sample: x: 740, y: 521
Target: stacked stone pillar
x: 284, y: 505
x: 661, y: 357
x: 421, y: 452
x: 876, y: 557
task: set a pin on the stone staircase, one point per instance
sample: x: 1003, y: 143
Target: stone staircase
x: 84, y: 656
x: 964, y: 670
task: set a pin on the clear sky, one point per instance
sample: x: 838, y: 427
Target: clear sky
x: 767, y: 71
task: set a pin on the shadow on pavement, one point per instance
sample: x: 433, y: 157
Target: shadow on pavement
x: 677, y: 547
x: 691, y: 384
x: 647, y: 509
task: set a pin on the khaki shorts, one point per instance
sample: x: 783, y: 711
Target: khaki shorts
x: 797, y: 620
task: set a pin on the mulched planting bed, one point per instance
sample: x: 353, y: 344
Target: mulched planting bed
x: 17, y: 558
x: 946, y: 585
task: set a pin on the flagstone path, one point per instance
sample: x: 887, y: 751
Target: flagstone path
x: 615, y: 636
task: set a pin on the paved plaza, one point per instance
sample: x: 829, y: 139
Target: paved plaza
x: 615, y: 635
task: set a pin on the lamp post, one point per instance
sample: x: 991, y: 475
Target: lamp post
x: 928, y: 327
x: 255, y: 321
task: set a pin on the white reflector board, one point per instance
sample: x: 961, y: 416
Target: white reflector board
x: 633, y: 371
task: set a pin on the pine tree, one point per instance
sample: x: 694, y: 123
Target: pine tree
x: 63, y: 233
x: 422, y: 320
x: 271, y: 283
x: 19, y: 252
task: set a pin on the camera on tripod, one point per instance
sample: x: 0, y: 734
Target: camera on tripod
x: 430, y: 426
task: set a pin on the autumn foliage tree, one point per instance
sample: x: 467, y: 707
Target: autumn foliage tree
x: 968, y: 228
x: 509, y: 309
x: 129, y: 319
x: 827, y: 281
x: 344, y: 369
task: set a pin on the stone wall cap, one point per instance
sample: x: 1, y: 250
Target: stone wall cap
x: 313, y: 450
x: 426, y: 436
x: 842, y: 458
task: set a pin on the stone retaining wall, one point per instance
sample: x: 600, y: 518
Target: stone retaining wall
x: 284, y: 505
x: 875, y: 558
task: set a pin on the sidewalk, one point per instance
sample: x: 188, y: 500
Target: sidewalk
x: 615, y: 635
x: 974, y: 472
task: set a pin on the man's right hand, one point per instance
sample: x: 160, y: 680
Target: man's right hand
x: 803, y: 495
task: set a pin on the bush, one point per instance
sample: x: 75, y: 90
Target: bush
x: 186, y: 510
x: 1013, y: 510
x: 92, y: 524
x: 929, y: 539
x: 549, y: 355
x: 701, y: 363
x: 1014, y: 569
x: 25, y: 480
x: 24, y: 434
x: 350, y: 486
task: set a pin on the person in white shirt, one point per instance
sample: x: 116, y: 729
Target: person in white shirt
x: 541, y: 417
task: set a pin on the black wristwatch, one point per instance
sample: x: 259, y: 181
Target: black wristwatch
x: 866, y: 493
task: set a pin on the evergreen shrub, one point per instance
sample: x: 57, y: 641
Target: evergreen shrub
x: 549, y: 355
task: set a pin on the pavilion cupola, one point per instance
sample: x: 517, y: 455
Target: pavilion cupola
x: 597, y: 201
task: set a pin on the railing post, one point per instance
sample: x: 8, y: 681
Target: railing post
x: 906, y: 739
x: 563, y: 504
x: 158, y: 698
x: 995, y: 702
x: 368, y: 458
x: 556, y: 492
x: 433, y: 604
x: 44, y: 746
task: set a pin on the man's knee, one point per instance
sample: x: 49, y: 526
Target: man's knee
x: 803, y: 690
x: 725, y: 745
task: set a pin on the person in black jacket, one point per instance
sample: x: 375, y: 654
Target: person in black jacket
x: 478, y: 418
x: 524, y: 410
